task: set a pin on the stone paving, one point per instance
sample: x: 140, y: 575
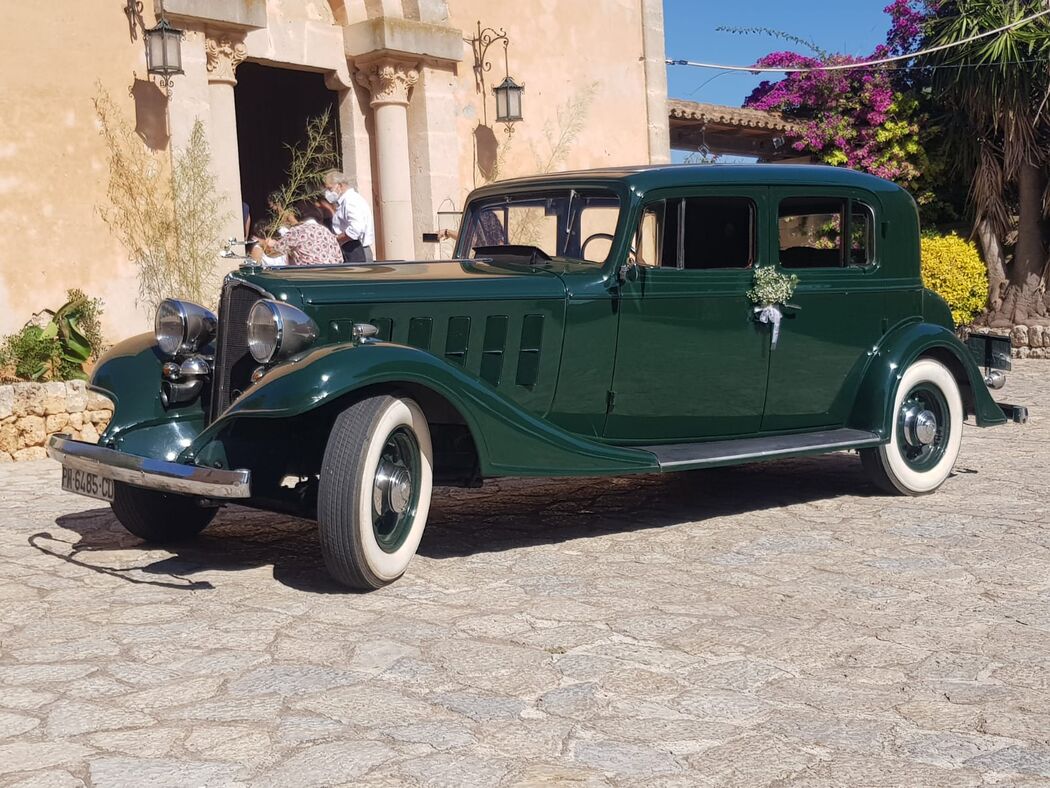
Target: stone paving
x: 774, y: 624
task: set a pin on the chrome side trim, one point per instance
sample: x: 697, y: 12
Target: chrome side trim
x: 685, y: 456
x: 147, y: 472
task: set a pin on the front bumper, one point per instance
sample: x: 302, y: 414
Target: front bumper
x: 171, y: 477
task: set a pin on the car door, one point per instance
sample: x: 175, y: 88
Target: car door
x: 690, y: 361
x: 828, y: 237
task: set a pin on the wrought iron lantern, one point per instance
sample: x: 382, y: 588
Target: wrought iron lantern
x: 508, y: 100
x: 508, y: 92
x: 163, y: 51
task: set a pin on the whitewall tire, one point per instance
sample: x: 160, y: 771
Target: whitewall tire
x: 926, y: 434
x: 374, y: 495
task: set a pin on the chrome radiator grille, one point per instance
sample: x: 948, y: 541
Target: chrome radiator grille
x: 233, y: 362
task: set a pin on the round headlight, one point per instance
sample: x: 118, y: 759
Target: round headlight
x: 277, y: 331
x: 264, y: 331
x: 170, y: 327
x: 183, y: 327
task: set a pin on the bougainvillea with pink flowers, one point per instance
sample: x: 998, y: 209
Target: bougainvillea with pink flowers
x: 864, y: 118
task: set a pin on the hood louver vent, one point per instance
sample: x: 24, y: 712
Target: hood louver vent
x: 457, y: 341
x: 529, y: 351
x: 493, y: 346
x: 420, y: 331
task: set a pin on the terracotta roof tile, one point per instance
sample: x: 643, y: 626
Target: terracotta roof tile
x: 730, y: 116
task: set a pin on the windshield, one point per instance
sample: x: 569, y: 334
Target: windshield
x: 566, y: 223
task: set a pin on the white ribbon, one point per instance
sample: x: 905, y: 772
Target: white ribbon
x: 770, y: 313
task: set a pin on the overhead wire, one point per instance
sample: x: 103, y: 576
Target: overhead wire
x: 866, y: 63
x: 908, y: 68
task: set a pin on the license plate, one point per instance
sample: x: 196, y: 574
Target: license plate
x: 87, y: 483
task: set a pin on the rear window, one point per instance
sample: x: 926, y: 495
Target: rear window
x: 825, y: 232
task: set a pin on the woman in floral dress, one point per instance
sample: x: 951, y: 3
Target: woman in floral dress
x: 308, y: 242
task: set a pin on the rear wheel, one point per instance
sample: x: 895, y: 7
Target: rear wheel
x: 926, y: 435
x: 160, y: 517
x: 374, y: 494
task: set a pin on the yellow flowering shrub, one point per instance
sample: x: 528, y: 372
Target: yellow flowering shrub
x: 952, y: 268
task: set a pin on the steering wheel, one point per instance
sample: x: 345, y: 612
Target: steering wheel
x: 583, y: 247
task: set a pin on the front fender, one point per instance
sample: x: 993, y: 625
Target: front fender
x: 509, y: 440
x: 898, y: 349
x: 129, y: 374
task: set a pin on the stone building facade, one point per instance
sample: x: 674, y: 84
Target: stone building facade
x: 415, y: 111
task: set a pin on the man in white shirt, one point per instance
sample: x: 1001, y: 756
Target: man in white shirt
x: 352, y: 222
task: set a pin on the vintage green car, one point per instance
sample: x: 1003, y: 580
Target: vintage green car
x: 591, y: 323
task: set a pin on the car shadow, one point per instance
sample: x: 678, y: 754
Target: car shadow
x: 503, y: 515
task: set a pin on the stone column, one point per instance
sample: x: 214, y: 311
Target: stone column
x: 434, y: 153
x: 390, y: 82
x: 225, y: 52
x: 655, y: 75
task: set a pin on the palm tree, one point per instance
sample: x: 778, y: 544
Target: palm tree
x: 996, y: 90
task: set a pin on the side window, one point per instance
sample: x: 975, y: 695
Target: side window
x: 650, y: 235
x: 697, y: 233
x: 825, y: 232
x: 861, y: 234
x: 657, y: 240
x: 597, y: 228
x: 719, y: 233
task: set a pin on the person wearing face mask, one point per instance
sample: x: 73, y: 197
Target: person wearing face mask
x: 352, y: 222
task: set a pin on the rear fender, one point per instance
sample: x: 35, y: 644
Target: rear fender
x: 873, y: 410
x: 509, y: 441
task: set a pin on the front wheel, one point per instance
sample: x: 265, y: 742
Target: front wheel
x: 374, y: 494
x: 926, y: 435
x: 160, y: 517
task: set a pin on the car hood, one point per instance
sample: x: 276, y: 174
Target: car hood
x: 459, y: 280
x: 501, y: 321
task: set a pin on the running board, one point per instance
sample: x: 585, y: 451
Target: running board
x: 686, y: 456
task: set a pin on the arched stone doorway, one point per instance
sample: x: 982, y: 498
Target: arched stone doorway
x: 273, y: 107
x: 376, y: 56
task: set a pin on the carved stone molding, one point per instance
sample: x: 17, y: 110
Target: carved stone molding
x: 224, y: 53
x: 389, y: 81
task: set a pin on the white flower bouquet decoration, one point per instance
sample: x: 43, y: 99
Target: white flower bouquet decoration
x: 770, y: 291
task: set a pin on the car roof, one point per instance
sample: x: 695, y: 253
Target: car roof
x: 644, y: 178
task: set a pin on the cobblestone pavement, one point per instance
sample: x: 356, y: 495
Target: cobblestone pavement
x: 775, y: 624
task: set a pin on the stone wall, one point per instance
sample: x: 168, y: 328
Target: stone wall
x: 1030, y: 341
x: 30, y: 412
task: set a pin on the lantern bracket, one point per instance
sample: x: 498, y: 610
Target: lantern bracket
x: 480, y: 44
x: 133, y: 11
x: 162, y: 43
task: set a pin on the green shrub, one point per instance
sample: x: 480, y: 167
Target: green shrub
x: 28, y: 351
x: 952, y: 268
x: 56, y: 349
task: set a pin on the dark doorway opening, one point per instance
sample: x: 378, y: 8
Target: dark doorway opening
x: 273, y: 106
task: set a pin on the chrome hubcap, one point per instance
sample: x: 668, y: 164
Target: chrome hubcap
x: 924, y: 426
x: 392, y: 490
x: 920, y: 426
x: 395, y: 489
